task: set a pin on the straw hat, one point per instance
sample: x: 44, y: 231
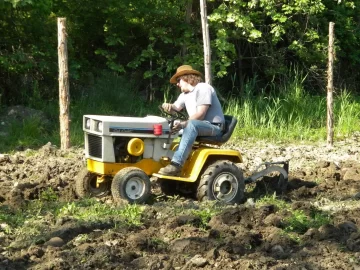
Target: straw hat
x: 184, y: 70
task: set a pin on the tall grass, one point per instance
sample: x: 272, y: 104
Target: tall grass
x: 109, y: 95
x: 288, y: 113
x: 282, y: 112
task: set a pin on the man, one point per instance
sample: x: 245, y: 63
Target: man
x: 206, y: 117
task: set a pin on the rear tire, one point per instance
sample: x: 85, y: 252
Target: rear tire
x: 85, y: 185
x: 131, y: 184
x: 222, y: 181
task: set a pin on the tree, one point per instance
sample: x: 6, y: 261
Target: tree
x: 206, y: 41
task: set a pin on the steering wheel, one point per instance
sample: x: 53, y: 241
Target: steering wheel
x: 175, y: 115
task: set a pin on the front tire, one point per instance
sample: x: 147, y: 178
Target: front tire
x: 85, y: 185
x: 222, y: 181
x: 131, y: 184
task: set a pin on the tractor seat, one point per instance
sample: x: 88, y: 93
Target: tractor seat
x: 230, y: 123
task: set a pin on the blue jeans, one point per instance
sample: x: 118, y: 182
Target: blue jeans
x: 193, y: 129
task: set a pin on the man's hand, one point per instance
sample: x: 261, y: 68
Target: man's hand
x: 178, y: 126
x: 167, y: 107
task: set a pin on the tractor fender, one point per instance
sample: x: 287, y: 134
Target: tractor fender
x: 200, y: 158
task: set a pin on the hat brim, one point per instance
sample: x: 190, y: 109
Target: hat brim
x: 184, y: 72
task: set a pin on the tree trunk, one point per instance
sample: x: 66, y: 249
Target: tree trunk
x: 206, y: 41
x: 63, y: 85
x: 187, y: 21
x: 330, y: 114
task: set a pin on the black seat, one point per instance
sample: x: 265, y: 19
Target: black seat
x: 230, y: 124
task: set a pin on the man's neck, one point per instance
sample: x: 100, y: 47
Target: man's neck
x: 189, y: 88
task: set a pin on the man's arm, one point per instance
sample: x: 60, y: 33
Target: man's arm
x: 200, y: 112
x: 199, y: 115
x: 170, y: 107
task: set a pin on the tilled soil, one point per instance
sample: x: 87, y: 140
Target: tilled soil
x: 245, y: 236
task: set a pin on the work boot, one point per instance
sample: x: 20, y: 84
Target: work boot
x: 170, y: 170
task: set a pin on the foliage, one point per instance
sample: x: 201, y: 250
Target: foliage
x: 287, y: 112
x: 265, y: 37
x: 206, y: 213
x: 132, y: 214
x: 30, y: 223
x: 268, y: 57
x: 272, y: 199
x: 147, y: 40
x: 299, y: 222
x: 31, y: 132
x: 26, y: 54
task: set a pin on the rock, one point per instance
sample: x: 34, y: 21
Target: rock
x: 250, y: 202
x: 186, y: 219
x: 55, y: 242
x: 327, y: 231
x: 180, y: 245
x: 273, y: 220
x: 212, y: 254
x: 198, y: 261
x: 277, y: 249
x: 278, y: 252
x: 214, y: 234
x: 352, y: 174
x: 36, y: 251
x: 353, y: 243
x: 356, y: 196
x: 312, y: 233
x: 347, y: 227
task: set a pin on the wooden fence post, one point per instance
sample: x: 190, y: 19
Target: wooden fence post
x: 206, y: 41
x: 63, y: 85
x: 330, y: 87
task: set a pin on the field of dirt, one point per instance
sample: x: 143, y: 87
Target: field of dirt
x: 245, y: 236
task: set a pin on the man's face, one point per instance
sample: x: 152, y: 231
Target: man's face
x: 183, y: 85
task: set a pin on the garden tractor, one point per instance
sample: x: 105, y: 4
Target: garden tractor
x: 123, y: 153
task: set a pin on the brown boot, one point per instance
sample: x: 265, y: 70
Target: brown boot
x: 170, y: 170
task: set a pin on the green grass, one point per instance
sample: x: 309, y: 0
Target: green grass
x: 300, y: 222
x: 284, y: 112
x: 289, y: 113
x: 108, y: 95
x: 31, y: 222
x: 297, y: 221
x: 206, y: 212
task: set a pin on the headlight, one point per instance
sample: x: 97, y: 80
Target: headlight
x: 99, y: 126
x: 87, y: 123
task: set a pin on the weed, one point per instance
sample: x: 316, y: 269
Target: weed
x: 30, y: 153
x: 11, y: 217
x: 293, y: 236
x: 206, y: 213
x: 267, y: 199
x: 81, y: 238
x: 176, y: 235
x: 318, y: 181
x: 300, y: 222
x: 173, y: 198
x: 70, y: 209
x: 132, y: 214
x: 48, y: 195
x: 157, y: 243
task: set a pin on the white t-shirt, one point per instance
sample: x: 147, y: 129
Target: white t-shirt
x: 202, y: 94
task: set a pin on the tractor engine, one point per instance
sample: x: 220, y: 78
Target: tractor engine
x: 121, y: 153
x: 118, y: 139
